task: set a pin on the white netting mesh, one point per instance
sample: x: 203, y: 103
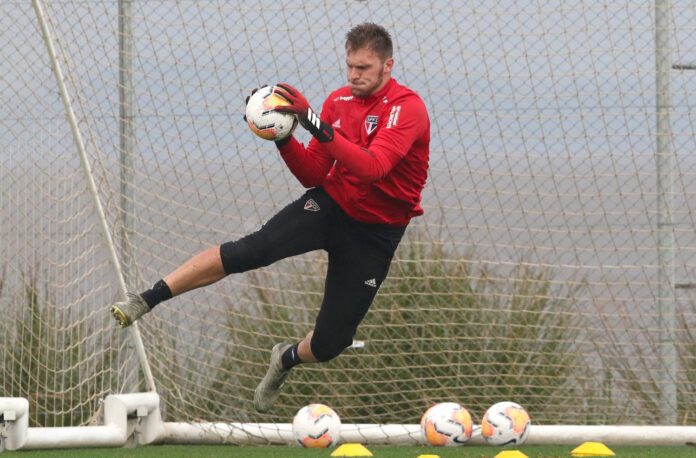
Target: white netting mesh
x: 532, y: 277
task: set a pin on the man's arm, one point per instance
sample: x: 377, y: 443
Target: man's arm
x: 309, y: 165
x: 393, y: 140
x: 406, y: 121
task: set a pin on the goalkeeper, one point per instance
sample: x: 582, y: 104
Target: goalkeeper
x: 366, y: 166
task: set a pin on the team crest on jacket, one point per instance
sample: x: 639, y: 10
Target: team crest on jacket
x: 371, y: 124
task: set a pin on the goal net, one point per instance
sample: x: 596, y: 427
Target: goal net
x: 553, y: 266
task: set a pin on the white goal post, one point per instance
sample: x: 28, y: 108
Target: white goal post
x: 135, y: 419
x: 555, y: 264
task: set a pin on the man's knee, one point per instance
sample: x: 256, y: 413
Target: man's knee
x: 244, y: 254
x: 328, y: 345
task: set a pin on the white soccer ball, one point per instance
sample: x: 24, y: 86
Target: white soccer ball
x: 505, y: 423
x: 316, y: 426
x: 263, y: 120
x: 446, y: 424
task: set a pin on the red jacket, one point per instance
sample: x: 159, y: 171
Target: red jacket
x: 377, y: 164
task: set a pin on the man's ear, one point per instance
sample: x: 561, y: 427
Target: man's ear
x: 388, y: 65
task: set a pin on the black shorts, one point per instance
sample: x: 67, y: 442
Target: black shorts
x: 359, y: 259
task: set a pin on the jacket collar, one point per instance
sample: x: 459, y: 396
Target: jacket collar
x: 379, y: 94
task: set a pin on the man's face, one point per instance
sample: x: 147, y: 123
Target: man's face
x: 367, y: 73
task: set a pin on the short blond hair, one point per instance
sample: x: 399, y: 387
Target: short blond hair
x: 371, y: 36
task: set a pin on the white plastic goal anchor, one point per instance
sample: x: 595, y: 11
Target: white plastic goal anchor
x: 129, y: 420
x: 14, y: 423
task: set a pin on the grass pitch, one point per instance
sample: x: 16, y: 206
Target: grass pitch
x: 214, y: 451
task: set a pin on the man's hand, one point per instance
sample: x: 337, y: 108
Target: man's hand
x: 299, y: 105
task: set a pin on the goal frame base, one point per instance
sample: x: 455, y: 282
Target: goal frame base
x: 134, y: 419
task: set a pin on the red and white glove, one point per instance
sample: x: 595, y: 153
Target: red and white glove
x: 308, y: 119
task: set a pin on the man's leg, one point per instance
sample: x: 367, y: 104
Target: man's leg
x: 352, y: 283
x: 304, y: 349
x: 358, y: 264
x: 284, y: 357
x: 293, y: 230
x: 201, y: 270
x: 359, y: 259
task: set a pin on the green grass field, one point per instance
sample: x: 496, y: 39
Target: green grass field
x: 194, y: 451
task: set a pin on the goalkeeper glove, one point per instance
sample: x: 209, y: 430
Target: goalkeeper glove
x: 299, y: 105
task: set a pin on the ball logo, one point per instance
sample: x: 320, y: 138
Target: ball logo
x: 272, y: 101
x: 520, y: 419
x: 319, y: 411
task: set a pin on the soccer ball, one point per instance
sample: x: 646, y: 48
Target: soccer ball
x: 446, y: 424
x: 263, y: 120
x: 316, y: 426
x: 505, y: 423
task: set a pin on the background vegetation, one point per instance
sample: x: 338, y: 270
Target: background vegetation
x: 440, y: 330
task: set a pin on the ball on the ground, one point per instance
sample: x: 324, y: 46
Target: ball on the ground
x: 316, y: 426
x: 446, y: 424
x: 505, y: 423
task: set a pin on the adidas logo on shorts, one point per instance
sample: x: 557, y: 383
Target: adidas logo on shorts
x: 371, y: 282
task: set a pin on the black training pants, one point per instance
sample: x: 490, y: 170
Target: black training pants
x: 359, y: 259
